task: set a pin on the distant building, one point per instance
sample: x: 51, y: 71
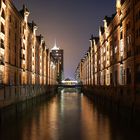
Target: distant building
x: 57, y: 54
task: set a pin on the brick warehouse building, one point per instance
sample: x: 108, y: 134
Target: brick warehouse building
x: 26, y: 67
x: 111, y: 67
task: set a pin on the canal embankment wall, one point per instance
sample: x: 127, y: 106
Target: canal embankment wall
x: 120, y: 100
x: 17, y: 100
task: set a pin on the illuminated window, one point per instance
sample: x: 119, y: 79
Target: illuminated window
x: 116, y: 49
x: 111, y: 53
x: 108, y: 79
x: 23, y: 78
x: 23, y: 66
x: 128, y: 39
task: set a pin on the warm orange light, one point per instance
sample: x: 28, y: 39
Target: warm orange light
x: 118, y: 4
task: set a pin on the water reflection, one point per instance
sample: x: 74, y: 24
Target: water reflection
x: 68, y: 116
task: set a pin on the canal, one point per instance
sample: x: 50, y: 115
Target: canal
x: 69, y: 115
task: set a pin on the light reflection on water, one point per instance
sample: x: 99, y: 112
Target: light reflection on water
x: 68, y: 116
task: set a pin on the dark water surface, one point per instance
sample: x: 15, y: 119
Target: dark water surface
x: 68, y: 116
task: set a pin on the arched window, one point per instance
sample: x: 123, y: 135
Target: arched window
x: 3, y: 14
x: 2, y: 28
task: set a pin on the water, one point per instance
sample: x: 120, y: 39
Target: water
x: 68, y: 116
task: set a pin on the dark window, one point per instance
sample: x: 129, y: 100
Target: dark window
x: 139, y: 31
x: 128, y: 26
x: 3, y: 1
x: 15, y: 24
x: 1, y: 59
x: 15, y: 38
x: 138, y: 73
x: 3, y: 14
x: 128, y: 76
x: 121, y: 35
x: 10, y: 18
x: 116, y: 78
x: 2, y: 44
x: 23, y: 47
x: 2, y: 28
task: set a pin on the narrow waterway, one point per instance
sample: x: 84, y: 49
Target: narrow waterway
x: 68, y: 116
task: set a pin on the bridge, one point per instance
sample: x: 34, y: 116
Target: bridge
x: 70, y: 84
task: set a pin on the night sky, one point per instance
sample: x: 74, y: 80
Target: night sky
x: 70, y: 23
